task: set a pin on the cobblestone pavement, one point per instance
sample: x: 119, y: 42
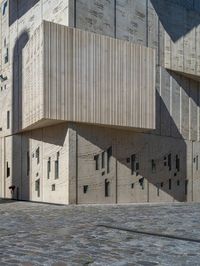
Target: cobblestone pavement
x: 41, y: 234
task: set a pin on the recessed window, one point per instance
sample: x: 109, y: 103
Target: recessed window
x: 8, y: 169
x: 132, y: 185
x: 37, y: 155
x: 4, y: 8
x: 6, y: 56
x: 8, y: 119
x: 28, y: 162
x: 53, y: 187
x: 37, y: 187
x: 169, y: 161
x: 197, y: 162
x: 177, y: 163
x: 158, y: 191
x: 103, y: 160
x: 48, y: 167
x: 109, y: 155
x: 141, y: 182
x: 161, y: 184
x: 57, y: 166
x: 107, y: 188
x: 178, y: 182
x: 153, y: 166
x: 85, y: 189
x: 96, y: 159
x: 186, y: 187
x: 133, y: 157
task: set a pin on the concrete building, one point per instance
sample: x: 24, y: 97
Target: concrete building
x: 100, y: 100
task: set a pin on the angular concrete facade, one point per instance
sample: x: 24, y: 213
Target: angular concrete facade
x: 100, y: 101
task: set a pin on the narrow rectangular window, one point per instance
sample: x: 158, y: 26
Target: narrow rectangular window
x: 8, y: 170
x: 177, y: 163
x: 8, y: 119
x: 186, y: 187
x: 103, y: 160
x: 85, y: 189
x: 170, y: 162
x: 132, y: 164
x: 48, y: 167
x: 96, y: 158
x: 6, y: 56
x: 57, y: 166
x: 153, y: 166
x: 37, y: 155
x: 109, y: 154
x: 107, y: 188
x: 5, y: 4
x: 53, y: 187
x: 197, y: 163
x: 170, y: 184
x: 158, y: 191
x: 141, y: 182
x: 28, y: 162
x: 37, y: 187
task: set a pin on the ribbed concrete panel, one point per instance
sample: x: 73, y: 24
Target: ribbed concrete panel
x: 96, y: 79
x: 32, y: 93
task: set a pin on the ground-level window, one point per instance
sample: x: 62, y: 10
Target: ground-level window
x: 8, y: 170
x: 37, y: 187
x: 107, y: 188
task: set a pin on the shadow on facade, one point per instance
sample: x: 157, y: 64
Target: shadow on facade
x: 17, y: 8
x: 20, y: 144
x: 173, y: 17
x: 161, y: 157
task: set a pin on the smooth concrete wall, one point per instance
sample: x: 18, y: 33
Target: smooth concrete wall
x: 172, y: 158
x: 20, y: 155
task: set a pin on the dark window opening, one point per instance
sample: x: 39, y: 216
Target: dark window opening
x: 141, y: 182
x: 178, y: 182
x: 161, y: 184
x: 128, y: 160
x: 8, y: 170
x: 133, y: 157
x: 197, y: 162
x: 170, y: 184
x: 103, y: 160
x: 107, y: 188
x: 186, y: 187
x: 37, y: 155
x: 85, y: 189
x: 53, y: 187
x: 158, y: 191
x: 5, y: 4
x: 37, y: 187
x: 28, y: 162
x: 57, y: 166
x: 109, y: 154
x: 169, y: 159
x: 6, y: 56
x: 132, y: 185
x: 8, y: 119
x: 177, y: 163
x: 153, y: 166
x: 48, y: 167
x: 103, y: 173
x: 96, y: 158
